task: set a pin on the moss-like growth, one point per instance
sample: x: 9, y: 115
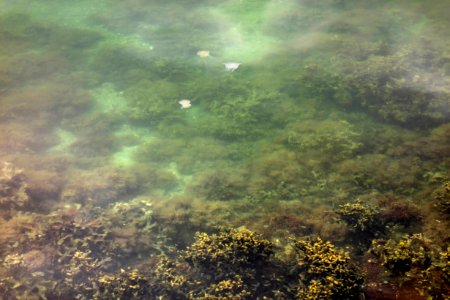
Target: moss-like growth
x: 327, y: 140
x: 400, y: 86
x: 381, y: 172
x: 13, y: 189
x: 435, y: 145
x: 398, y: 211
x: 242, y: 116
x: 101, y: 185
x: 120, y: 64
x: 282, y: 175
x: 150, y: 102
x: 406, y: 83
x: 20, y: 29
x: 235, y: 109
x: 126, y: 62
x: 220, y: 185
x: 442, y: 198
x: 325, y: 272
x: 133, y: 227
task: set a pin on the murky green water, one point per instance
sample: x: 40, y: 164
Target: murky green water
x: 309, y: 142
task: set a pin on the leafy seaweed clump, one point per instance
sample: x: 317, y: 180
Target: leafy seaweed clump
x: 325, y: 272
x: 358, y: 216
x: 230, y: 264
x: 417, y: 261
x: 400, y: 257
x: 229, y: 250
x: 442, y: 198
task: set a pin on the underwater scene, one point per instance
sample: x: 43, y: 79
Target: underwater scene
x: 222, y: 150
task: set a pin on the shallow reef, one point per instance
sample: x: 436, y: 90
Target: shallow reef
x: 318, y: 169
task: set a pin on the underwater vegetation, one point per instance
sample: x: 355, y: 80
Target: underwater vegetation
x: 415, y: 261
x: 82, y: 248
x: 442, y: 197
x: 318, y: 169
x: 75, y: 247
x: 382, y: 173
x: 13, y: 190
x: 105, y: 185
x: 358, y: 216
x: 236, y: 248
x: 371, y: 217
x: 240, y: 264
x: 331, y: 138
x: 224, y: 185
x: 372, y: 214
x: 325, y: 272
x: 403, y: 86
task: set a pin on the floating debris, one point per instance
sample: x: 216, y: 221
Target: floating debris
x: 185, y: 103
x: 231, y: 66
x: 203, y: 53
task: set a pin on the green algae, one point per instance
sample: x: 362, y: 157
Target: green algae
x: 337, y: 104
